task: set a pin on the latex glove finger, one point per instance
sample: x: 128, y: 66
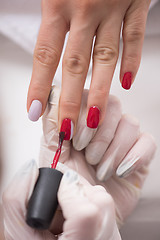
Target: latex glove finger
x: 83, y: 134
x: 140, y: 155
x: 78, y: 163
x: 126, y: 135
x: 49, y: 140
x: 105, y: 133
x: 86, y: 207
x: 15, y: 200
x: 126, y: 191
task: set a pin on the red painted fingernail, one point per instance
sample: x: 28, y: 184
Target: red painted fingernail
x: 93, y: 117
x: 127, y: 80
x: 67, y: 127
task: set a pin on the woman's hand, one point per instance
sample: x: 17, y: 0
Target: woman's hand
x: 85, y: 19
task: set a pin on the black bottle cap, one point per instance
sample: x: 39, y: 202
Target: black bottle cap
x: 43, y: 202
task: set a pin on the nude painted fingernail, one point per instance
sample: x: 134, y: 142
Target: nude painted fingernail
x: 105, y: 170
x: 126, y: 167
x: 67, y: 127
x: 93, y: 117
x: 35, y: 110
x: 127, y: 80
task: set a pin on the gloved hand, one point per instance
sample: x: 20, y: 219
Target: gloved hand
x: 85, y: 206
x: 116, y: 155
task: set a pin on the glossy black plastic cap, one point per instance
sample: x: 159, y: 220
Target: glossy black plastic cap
x: 43, y: 202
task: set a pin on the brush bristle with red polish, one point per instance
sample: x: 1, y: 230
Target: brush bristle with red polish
x: 58, y: 151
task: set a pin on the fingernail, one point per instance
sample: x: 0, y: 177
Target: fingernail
x: 106, y: 169
x: 93, y: 117
x: 104, y: 172
x: 126, y: 167
x: 127, y: 80
x: 35, y: 110
x: 67, y: 127
x: 70, y: 177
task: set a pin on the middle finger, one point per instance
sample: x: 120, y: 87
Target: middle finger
x: 75, y: 66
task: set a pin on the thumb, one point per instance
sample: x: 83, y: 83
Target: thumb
x: 83, y: 211
x: 15, y: 200
x: 77, y: 210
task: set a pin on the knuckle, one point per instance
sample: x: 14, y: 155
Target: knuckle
x: 132, y: 35
x: 131, y: 121
x: 74, y: 64
x: 133, y: 60
x: 105, y: 198
x: 86, y: 5
x: 70, y: 106
x: 101, y: 92
x: 46, y: 55
x: 105, y: 54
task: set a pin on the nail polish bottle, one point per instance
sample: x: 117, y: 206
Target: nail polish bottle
x: 43, y: 202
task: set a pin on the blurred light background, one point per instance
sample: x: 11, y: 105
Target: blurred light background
x: 19, y: 23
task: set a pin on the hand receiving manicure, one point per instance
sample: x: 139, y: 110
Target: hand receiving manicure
x: 85, y: 19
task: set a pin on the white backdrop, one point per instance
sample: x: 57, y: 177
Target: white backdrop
x: 21, y: 138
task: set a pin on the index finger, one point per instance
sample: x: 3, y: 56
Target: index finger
x: 46, y: 58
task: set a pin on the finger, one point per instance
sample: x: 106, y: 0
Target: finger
x: 106, y: 209
x: 131, y: 180
x: 126, y: 135
x: 105, y: 133
x: 104, y: 61
x: 79, y: 213
x: 74, y: 68
x: 95, y: 209
x: 133, y: 36
x: 49, y: 142
x: 15, y: 199
x: 83, y: 134
x: 46, y: 58
x: 140, y: 155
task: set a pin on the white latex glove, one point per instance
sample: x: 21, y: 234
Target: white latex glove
x: 85, y: 207
x: 89, y: 211
x: 115, y: 156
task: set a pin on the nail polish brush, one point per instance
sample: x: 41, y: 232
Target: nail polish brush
x: 43, y: 202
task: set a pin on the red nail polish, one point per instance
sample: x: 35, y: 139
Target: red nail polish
x: 67, y: 127
x: 127, y: 80
x: 93, y: 117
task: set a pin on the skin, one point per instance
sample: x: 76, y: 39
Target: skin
x: 86, y: 19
